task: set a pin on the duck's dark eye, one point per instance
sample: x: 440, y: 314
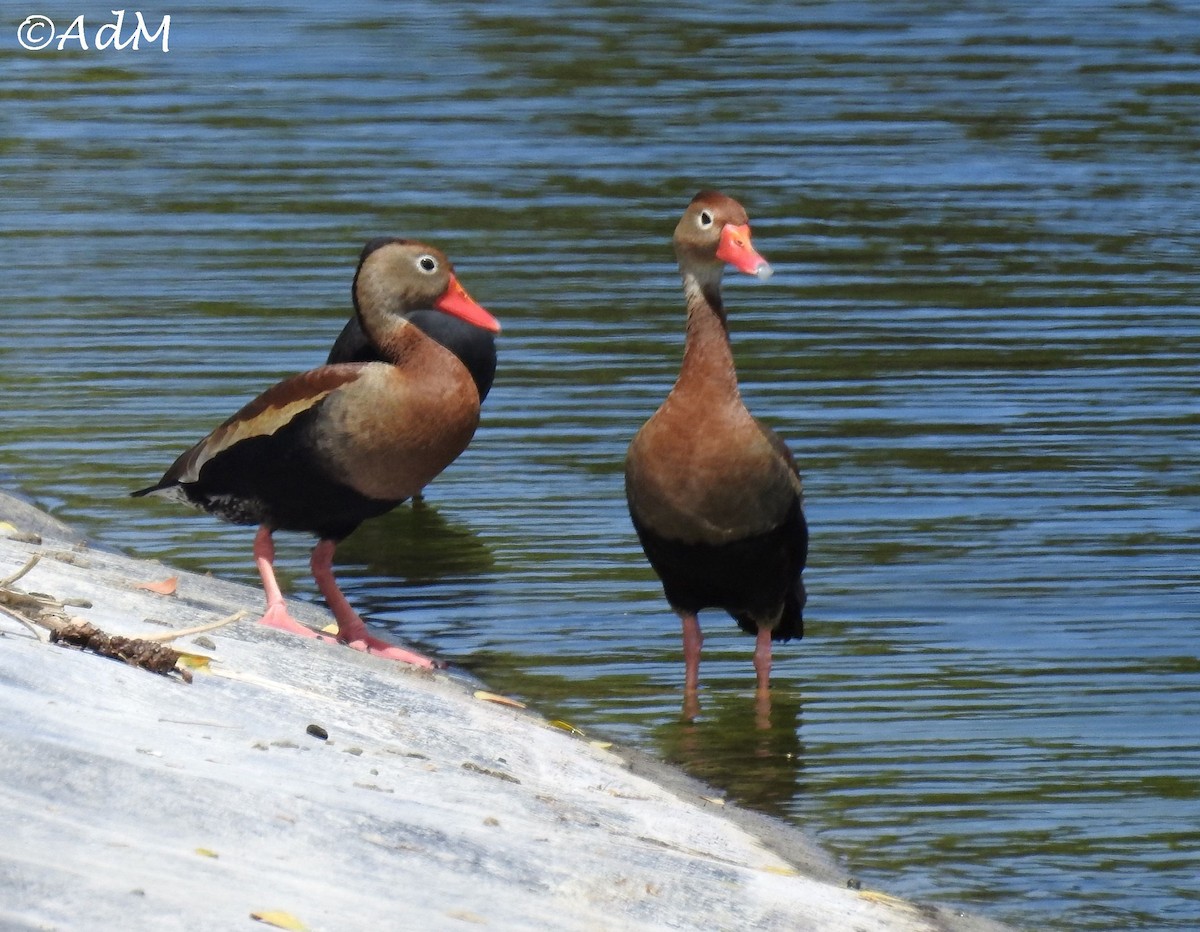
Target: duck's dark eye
x: 427, y: 264
x: 706, y: 219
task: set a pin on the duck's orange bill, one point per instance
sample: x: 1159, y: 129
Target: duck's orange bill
x: 736, y: 249
x: 456, y: 301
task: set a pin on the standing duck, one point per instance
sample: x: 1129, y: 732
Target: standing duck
x: 475, y: 346
x: 714, y: 494
x: 325, y: 450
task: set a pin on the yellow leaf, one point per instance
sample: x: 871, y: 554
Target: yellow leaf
x: 499, y: 700
x: 280, y: 920
x: 886, y: 899
x: 330, y: 629
x: 566, y: 726
x: 207, y: 853
x: 193, y: 661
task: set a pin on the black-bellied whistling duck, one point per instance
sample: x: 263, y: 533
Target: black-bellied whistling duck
x: 475, y: 346
x: 714, y: 494
x: 325, y: 450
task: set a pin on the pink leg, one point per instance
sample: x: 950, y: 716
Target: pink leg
x: 276, y: 615
x: 762, y: 709
x: 351, y: 628
x: 762, y: 659
x: 693, y: 640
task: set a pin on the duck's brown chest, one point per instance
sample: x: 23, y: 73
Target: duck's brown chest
x: 390, y: 433
x: 704, y: 472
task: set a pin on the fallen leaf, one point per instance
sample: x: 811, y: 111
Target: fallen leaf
x: 193, y: 661
x: 601, y: 745
x: 280, y: 920
x: 465, y: 915
x: 162, y: 587
x: 566, y: 726
x: 498, y: 699
x: 207, y: 853
x: 886, y: 899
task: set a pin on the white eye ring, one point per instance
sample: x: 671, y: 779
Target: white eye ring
x: 705, y: 219
x: 427, y: 264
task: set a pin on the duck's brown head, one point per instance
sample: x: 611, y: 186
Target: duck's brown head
x: 715, y: 229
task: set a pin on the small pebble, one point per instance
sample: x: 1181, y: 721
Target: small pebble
x: 372, y: 786
x: 317, y: 732
x: 205, y: 641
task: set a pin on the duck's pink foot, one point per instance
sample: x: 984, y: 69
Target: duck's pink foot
x: 351, y: 629
x: 381, y: 648
x: 276, y: 616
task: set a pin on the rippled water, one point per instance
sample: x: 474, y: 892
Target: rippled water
x: 981, y: 342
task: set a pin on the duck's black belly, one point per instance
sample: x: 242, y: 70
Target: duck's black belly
x: 755, y: 579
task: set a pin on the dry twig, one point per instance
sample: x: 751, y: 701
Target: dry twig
x: 21, y: 619
x: 42, y: 611
x: 30, y: 564
x: 197, y: 629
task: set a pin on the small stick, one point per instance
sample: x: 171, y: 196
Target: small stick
x: 32, y: 562
x: 15, y: 616
x: 198, y: 629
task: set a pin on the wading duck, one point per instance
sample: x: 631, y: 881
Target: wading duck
x: 325, y: 450
x: 714, y: 494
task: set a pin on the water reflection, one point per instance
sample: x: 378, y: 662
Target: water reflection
x: 747, y: 744
x: 415, y: 543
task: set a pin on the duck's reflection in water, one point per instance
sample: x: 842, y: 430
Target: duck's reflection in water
x: 748, y: 746
x: 415, y: 544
